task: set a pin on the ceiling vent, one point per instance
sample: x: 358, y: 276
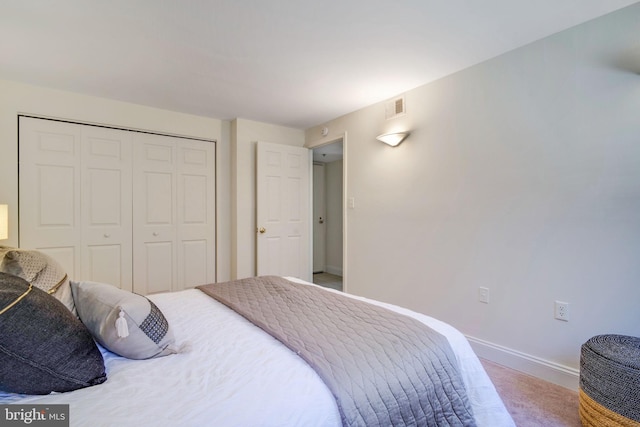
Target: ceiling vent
x: 395, y: 108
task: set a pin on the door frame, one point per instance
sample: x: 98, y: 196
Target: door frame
x: 319, y: 143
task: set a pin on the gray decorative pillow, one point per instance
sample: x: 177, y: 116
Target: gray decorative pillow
x: 25, y: 264
x: 43, y: 347
x: 40, y: 270
x: 125, y: 323
x: 4, y: 250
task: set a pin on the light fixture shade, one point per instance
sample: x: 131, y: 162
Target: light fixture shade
x: 392, y: 139
x: 4, y: 222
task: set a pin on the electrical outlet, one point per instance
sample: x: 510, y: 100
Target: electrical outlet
x: 483, y: 295
x: 561, y: 311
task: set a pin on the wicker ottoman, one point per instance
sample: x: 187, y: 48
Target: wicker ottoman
x: 610, y: 381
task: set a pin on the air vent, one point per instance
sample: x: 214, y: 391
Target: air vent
x: 395, y: 108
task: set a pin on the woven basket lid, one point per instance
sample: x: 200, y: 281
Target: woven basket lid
x: 622, y: 349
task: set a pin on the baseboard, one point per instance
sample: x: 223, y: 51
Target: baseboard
x: 333, y: 270
x: 549, y: 371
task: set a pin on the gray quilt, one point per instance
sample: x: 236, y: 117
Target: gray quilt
x: 383, y: 368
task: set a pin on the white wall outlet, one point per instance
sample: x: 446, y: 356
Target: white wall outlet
x: 561, y: 311
x: 483, y: 295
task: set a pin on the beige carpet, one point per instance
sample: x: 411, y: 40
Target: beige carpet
x: 328, y: 280
x: 533, y: 402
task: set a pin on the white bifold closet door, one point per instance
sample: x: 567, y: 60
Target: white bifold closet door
x: 117, y: 206
x: 173, y: 211
x: 75, y: 191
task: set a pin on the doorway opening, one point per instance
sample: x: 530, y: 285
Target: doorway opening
x: 328, y: 214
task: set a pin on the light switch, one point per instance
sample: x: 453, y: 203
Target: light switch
x: 351, y: 202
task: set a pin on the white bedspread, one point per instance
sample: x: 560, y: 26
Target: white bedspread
x: 233, y: 374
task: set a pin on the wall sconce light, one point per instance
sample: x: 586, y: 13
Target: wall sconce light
x: 392, y: 139
x: 4, y: 222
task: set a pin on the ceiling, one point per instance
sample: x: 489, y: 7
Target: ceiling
x: 295, y: 63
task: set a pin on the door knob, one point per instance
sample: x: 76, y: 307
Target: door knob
x: 155, y: 233
x: 262, y: 230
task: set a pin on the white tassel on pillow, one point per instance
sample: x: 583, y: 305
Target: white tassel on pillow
x: 122, y: 330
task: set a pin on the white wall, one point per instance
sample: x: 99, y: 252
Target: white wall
x: 19, y: 98
x: 244, y: 135
x: 522, y: 174
x: 333, y: 203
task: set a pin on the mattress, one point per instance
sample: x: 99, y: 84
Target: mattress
x: 231, y: 373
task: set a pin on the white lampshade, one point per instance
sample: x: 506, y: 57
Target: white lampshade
x: 392, y: 139
x: 4, y: 222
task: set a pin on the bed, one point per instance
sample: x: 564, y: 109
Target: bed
x: 228, y: 372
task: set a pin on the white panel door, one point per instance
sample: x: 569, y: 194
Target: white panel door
x: 154, y: 214
x: 106, y: 206
x: 49, y: 189
x: 196, y: 213
x: 283, y: 210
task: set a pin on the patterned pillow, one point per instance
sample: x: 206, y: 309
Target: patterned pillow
x: 25, y: 264
x: 41, y: 271
x: 43, y: 347
x: 125, y: 323
x: 4, y: 250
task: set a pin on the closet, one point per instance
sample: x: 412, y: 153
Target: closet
x: 129, y: 208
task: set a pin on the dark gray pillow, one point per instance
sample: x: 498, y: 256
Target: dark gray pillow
x: 43, y: 346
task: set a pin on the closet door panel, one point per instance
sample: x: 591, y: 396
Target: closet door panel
x: 196, y: 212
x: 195, y: 268
x: 159, y: 198
x: 103, y: 263
x: 49, y: 189
x: 159, y: 274
x: 54, y: 192
x: 106, y: 206
x: 154, y: 213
